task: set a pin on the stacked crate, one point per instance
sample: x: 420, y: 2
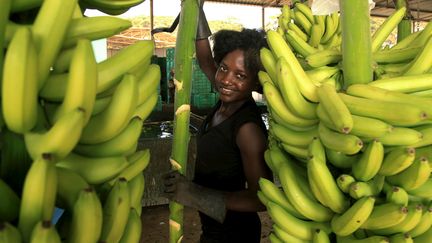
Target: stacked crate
x: 202, y: 95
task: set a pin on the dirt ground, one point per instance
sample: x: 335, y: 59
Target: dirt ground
x: 155, y: 225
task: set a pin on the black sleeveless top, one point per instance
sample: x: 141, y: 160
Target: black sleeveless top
x: 219, y: 166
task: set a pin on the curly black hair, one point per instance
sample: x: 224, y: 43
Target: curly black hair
x: 248, y: 40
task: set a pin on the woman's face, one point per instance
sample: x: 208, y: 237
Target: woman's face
x: 233, y: 81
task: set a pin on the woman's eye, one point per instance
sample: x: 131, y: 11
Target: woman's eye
x: 222, y: 68
x: 240, y: 76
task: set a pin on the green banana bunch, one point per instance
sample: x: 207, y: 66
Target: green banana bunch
x: 412, y: 177
x: 384, y: 216
x: 411, y: 220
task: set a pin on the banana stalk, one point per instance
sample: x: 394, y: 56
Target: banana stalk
x: 405, y: 26
x: 185, y: 50
x: 356, y: 42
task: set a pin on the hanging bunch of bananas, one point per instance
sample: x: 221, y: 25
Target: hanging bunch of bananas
x: 350, y: 144
x: 70, y: 126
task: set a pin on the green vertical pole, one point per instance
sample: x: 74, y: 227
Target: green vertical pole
x: 184, y: 53
x: 405, y: 26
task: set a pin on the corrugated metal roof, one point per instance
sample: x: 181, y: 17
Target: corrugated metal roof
x: 421, y: 10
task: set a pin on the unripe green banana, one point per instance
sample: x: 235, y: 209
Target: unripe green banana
x: 86, y: 225
x: 421, y: 64
x: 411, y: 220
x: 19, y: 86
x: 278, y: 106
x: 298, y: 44
x: 405, y: 84
x: 94, y: 28
x: 285, y: 236
x: 274, y: 239
x: 22, y: 5
x: 340, y: 159
x: 423, y: 191
x: 9, y: 233
x: 116, y: 212
x: 291, y: 92
x: 114, y: 118
x: 345, y: 143
x: 269, y: 63
x: 274, y: 194
x: 296, y: 196
x: 280, y: 48
x: 316, y: 34
x: 63, y: 60
x: 132, y: 232
x: 94, y: 170
x: 426, y: 131
x: 291, y: 137
x: 302, y: 21
x: 394, y: 113
x: 370, y: 239
x: 369, y: 162
x: 44, y: 232
x: 107, y: 5
x: 384, y: 216
x: 296, y: 227
x: 361, y: 189
x: 60, y: 139
x: 348, y: 222
x: 396, y: 56
x: 424, y: 225
x: 317, y: 75
x: 335, y: 108
x: 136, y: 190
x: 294, y: 27
x: 116, y: 146
x: 401, y: 238
x: 330, y: 29
x: 396, y: 161
x: 397, y: 195
x: 344, y: 182
x: 324, y: 57
x: 138, y: 161
x: 148, y: 83
x: 412, y: 177
x: 33, y: 197
x: 384, y: 30
x: 407, y: 41
x: 316, y: 149
x: 9, y: 206
x: 401, y: 136
x: 145, y: 109
x: 69, y: 185
x: 320, y: 236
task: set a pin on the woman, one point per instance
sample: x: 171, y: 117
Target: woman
x: 231, y: 141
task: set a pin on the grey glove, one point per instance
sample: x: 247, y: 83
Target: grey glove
x: 179, y: 189
x: 203, y: 30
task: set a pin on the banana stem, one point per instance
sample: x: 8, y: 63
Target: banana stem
x: 356, y: 42
x: 405, y: 26
x: 184, y: 52
x: 4, y: 18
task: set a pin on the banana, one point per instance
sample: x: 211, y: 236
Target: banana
x: 316, y: 149
x: 116, y: 146
x: 423, y: 191
x: 274, y: 194
x: 69, y: 186
x: 280, y: 48
x: 401, y: 238
x: 397, y: 195
x: 316, y: 34
x: 291, y: 93
x: 116, y: 212
x: 394, y: 113
x: 424, y: 224
x: 274, y: 239
x: 401, y: 136
x: 370, y: 239
x: 324, y: 57
x: 340, y: 159
x: 317, y: 75
x: 298, y: 44
x: 19, y: 86
x: 86, y: 224
x: 9, y: 206
x: 22, y: 5
x: 94, y: 170
x: 132, y: 232
x: 82, y: 82
x: 291, y: 137
x: 114, y: 118
x: 100, y: 105
x: 94, y: 28
x: 295, y: 227
x: 426, y: 140
x: 44, y: 232
x: 60, y: 139
x: 294, y: 27
x: 369, y: 162
x: 345, y: 143
x: 297, y: 197
x: 320, y: 236
x: 263, y: 199
x: 136, y: 190
x: 396, y: 161
x: 353, y: 218
x: 384, y: 216
x: 421, y: 64
x: 275, y: 100
x: 285, y: 236
x: 330, y: 29
x: 359, y: 189
x: 411, y: 220
x: 63, y: 60
x: 9, y: 233
x: 137, y: 164
x: 396, y: 56
x: 110, y: 71
x: 33, y: 197
x: 418, y: 82
x: 331, y: 196
x: 306, y: 10
x: 335, y: 108
x: 424, y: 238
x: 407, y: 41
x: 344, y: 182
x: 49, y: 29
x: 384, y: 30
x: 269, y: 63
x: 148, y: 83
x: 113, y: 5
x: 302, y: 21
x: 412, y: 177
x: 145, y: 109
x: 300, y: 153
